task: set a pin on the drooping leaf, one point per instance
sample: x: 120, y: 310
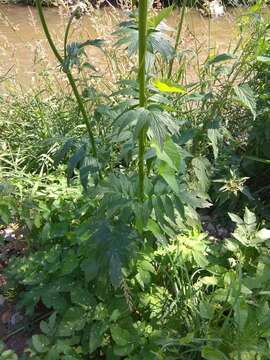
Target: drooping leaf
x: 201, y: 168
x: 246, y: 96
x: 219, y: 58
x: 74, y: 161
x: 249, y: 217
x: 214, y: 135
x: 95, y: 42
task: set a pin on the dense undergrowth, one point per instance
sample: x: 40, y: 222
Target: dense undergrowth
x: 116, y: 195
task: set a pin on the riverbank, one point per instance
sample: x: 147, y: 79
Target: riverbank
x: 25, y: 53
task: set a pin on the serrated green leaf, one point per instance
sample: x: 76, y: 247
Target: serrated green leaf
x: 201, y: 168
x: 249, y: 217
x: 236, y: 219
x: 154, y: 21
x: 246, y: 96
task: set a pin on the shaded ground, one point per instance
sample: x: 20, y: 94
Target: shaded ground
x: 13, y: 323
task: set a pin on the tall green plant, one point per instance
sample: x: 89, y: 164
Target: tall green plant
x: 142, y: 88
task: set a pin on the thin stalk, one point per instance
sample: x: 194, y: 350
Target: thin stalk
x: 178, y: 34
x: 67, y: 33
x: 46, y: 31
x: 68, y: 72
x: 142, y: 89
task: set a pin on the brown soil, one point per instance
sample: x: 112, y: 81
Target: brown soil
x: 11, y: 320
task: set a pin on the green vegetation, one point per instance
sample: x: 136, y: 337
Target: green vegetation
x: 145, y: 210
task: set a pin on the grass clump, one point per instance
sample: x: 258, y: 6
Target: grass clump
x: 147, y: 233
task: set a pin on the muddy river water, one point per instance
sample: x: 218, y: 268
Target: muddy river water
x: 23, y: 48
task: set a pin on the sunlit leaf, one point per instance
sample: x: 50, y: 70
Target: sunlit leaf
x: 264, y: 59
x: 169, y: 86
x: 154, y: 21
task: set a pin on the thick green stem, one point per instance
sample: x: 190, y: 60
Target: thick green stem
x: 68, y: 73
x: 142, y: 88
x: 178, y: 34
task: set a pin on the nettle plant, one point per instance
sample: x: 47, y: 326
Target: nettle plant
x: 134, y: 178
x: 137, y: 166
